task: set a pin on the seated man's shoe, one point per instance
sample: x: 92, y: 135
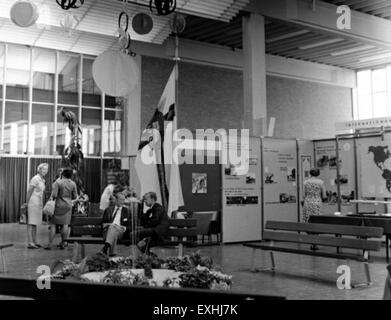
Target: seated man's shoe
x: 142, y: 246
x: 106, y: 248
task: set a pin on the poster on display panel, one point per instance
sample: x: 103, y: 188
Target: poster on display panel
x: 326, y: 162
x: 374, y: 158
x: 241, y: 195
x: 280, y: 180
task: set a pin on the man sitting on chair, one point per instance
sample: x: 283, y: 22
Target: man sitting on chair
x: 154, y: 222
x: 115, y: 223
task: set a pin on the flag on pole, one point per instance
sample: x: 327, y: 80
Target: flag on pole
x: 155, y: 165
x: 145, y: 164
x: 167, y: 107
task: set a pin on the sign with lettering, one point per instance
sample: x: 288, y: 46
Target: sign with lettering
x: 363, y: 124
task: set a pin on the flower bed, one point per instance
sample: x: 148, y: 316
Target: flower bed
x: 191, y: 271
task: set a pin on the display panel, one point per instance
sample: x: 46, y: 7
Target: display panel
x: 241, y: 195
x: 280, y: 180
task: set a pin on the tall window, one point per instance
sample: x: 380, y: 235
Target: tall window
x: 36, y: 85
x: 374, y: 93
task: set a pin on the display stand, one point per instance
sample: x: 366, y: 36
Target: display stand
x: 358, y: 137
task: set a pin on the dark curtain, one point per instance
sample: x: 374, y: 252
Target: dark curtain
x: 91, y: 175
x: 13, y: 188
x: 54, y: 165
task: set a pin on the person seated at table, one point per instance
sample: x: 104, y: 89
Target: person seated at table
x: 115, y: 222
x: 154, y: 222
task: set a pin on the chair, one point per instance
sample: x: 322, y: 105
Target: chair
x: 204, y: 220
x: 93, y: 210
x: 215, y: 225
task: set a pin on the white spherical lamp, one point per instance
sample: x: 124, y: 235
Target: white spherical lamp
x: 116, y: 73
x: 24, y: 13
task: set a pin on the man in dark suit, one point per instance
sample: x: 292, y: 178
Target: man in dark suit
x: 115, y: 222
x: 154, y: 222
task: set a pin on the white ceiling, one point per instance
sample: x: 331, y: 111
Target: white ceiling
x: 98, y: 23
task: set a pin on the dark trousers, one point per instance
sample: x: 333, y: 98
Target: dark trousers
x: 147, y: 233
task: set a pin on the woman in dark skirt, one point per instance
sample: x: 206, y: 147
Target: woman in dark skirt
x: 64, y: 193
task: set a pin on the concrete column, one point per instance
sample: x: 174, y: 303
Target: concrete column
x: 132, y: 119
x: 254, y: 75
x: 132, y: 128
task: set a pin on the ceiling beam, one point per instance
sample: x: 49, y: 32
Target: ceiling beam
x: 223, y: 57
x: 365, y: 28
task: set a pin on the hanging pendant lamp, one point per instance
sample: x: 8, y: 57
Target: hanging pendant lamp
x: 24, y: 13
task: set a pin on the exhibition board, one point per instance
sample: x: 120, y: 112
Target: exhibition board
x: 201, y: 185
x: 374, y: 171
x: 280, y: 181
x: 241, y: 196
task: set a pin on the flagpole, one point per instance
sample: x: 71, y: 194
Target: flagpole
x: 176, y: 59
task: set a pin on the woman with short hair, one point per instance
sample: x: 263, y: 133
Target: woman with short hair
x: 314, y: 193
x: 35, y: 205
x: 64, y: 192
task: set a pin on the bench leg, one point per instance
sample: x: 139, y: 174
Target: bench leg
x: 83, y: 250
x: 387, y: 248
x: 4, y: 267
x: 253, y: 262
x: 75, y: 255
x: 253, y: 269
x: 180, y: 250
x: 272, y: 260
x: 367, y: 273
x: 368, y: 276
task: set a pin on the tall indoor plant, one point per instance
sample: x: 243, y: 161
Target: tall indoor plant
x: 73, y: 155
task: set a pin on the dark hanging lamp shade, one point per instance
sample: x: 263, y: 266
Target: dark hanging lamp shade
x: 178, y: 23
x: 142, y: 23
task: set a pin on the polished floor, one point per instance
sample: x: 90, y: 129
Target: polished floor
x: 297, y: 277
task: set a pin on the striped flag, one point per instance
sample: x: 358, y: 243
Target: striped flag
x: 166, y: 176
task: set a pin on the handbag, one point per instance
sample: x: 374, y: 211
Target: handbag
x: 23, y: 214
x: 48, y: 209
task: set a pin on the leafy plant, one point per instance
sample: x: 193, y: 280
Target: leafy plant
x: 97, y: 263
x: 73, y: 155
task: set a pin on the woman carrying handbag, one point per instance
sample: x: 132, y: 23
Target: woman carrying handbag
x: 35, y: 205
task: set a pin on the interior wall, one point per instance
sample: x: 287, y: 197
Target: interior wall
x: 307, y: 110
x: 211, y: 97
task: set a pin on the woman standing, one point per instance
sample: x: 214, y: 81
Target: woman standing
x: 35, y: 205
x: 64, y: 192
x: 314, y: 193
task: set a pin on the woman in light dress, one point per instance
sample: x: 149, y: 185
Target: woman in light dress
x: 35, y: 205
x: 314, y: 193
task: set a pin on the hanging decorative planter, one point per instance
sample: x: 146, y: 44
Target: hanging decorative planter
x: 162, y: 7
x: 70, y: 4
x: 68, y: 23
x: 24, y: 13
x: 177, y: 23
x: 142, y: 23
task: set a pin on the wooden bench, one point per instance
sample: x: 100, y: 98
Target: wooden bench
x: 359, y: 220
x: 320, y: 235
x: 88, y: 230
x: 181, y: 233
x: 2, y: 247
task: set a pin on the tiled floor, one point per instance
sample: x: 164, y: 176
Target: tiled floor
x: 297, y: 277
